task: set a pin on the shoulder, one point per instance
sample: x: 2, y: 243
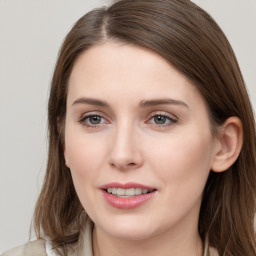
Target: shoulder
x: 33, y: 248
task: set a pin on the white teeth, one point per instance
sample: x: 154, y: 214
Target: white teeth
x: 127, y: 192
x: 144, y: 191
x: 138, y: 191
x: 130, y: 192
x: 120, y: 191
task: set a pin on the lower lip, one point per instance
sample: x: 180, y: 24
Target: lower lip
x: 128, y: 202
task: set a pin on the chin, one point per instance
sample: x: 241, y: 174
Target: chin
x: 128, y: 228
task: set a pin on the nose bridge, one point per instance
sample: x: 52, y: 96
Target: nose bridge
x: 125, y: 152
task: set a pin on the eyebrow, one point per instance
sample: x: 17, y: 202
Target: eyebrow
x: 143, y: 104
x: 151, y: 103
x: 90, y: 101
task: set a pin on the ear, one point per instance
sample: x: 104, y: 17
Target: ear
x: 229, y: 144
x: 65, y: 157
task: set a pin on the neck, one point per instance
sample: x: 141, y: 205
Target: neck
x: 184, y: 243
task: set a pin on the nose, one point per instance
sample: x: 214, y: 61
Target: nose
x: 125, y: 153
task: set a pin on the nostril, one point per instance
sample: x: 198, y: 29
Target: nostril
x: 124, y: 166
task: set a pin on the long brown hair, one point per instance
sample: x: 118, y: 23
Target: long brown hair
x: 193, y: 43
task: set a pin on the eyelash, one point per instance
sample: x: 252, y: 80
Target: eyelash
x: 171, y: 120
x: 83, y: 119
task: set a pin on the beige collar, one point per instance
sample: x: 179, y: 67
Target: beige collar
x: 85, y: 240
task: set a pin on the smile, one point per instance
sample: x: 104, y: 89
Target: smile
x: 125, y: 193
x: 127, y: 196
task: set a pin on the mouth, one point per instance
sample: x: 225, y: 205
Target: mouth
x: 127, y: 196
x: 130, y: 192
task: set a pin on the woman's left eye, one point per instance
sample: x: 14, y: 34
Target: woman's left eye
x: 162, y: 120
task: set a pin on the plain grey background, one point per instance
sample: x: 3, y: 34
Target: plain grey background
x: 31, y: 32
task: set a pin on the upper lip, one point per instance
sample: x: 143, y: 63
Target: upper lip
x: 126, y: 185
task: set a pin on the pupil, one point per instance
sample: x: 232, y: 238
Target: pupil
x: 160, y: 119
x: 95, y: 119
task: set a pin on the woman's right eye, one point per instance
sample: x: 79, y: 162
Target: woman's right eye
x: 92, y: 120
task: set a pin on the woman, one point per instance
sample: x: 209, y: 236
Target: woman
x: 152, y: 145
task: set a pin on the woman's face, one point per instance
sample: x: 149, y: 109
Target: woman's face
x: 138, y: 142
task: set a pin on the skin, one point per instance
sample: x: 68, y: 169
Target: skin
x: 127, y: 145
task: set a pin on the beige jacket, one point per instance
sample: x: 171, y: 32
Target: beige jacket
x: 84, y: 247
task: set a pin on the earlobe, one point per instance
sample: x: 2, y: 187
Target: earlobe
x: 229, y: 144
x: 67, y: 164
x: 66, y: 159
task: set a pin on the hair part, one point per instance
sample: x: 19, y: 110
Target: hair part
x: 190, y: 40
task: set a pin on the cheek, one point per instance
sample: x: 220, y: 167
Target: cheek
x: 183, y: 162
x: 183, y: 167
x: 84, y: 155
x: 84, y: 159
x: 83, y: 152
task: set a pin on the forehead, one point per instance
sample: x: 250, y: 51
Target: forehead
x: 127, y: 72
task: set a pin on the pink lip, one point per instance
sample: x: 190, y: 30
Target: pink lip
x: 128, y: 202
